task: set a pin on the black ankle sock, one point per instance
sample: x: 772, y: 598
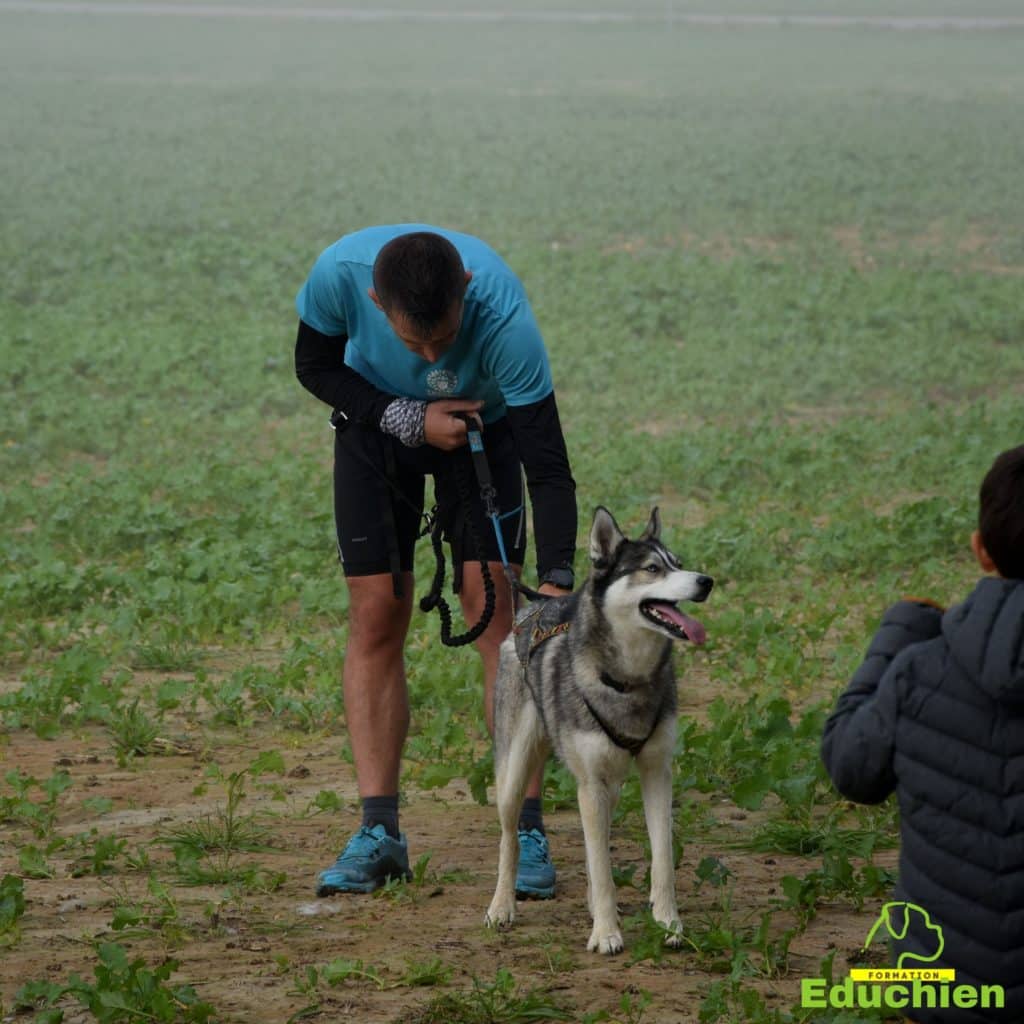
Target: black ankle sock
x: 530, y: 816
x: 381, y: 810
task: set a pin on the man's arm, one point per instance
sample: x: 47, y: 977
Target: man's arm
x: 857, y: 745
x: 541, y: 444
x: 320, y: 367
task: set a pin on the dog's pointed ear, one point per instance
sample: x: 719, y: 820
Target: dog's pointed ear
x: 605, y: 537
x: 653, y: 530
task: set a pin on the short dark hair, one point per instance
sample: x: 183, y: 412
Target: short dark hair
x: 419, y: 275
x: 1001, y: 517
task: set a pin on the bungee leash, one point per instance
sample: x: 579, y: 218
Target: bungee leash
x: 488, y: 495
x: 432, y: 525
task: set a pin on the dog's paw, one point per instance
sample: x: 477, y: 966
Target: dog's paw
x: 607, y: 942
x: 500, y: 915
x: 673, y: 933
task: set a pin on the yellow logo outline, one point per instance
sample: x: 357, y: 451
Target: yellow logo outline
x: 884, y: 918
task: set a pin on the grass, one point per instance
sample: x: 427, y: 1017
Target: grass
x: 497, y: 1002
x: 777, y: 271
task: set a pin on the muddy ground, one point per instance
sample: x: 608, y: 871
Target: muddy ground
x: 246, y: 948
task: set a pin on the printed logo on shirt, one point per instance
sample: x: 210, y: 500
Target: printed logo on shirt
x: 900, y: 988
x: 442, y: 382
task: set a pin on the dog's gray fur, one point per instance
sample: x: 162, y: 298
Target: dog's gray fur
x: 597, y: 694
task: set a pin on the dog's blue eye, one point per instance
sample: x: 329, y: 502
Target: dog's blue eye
x: 651, y: 568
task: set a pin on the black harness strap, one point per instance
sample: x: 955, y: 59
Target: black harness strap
x: 625, y: 742
x: 613, y: 684
x: 633, y: 746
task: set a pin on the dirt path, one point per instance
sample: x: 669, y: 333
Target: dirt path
x: 247, y: 948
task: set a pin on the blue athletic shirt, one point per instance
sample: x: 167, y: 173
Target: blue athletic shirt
x: 498, y: 356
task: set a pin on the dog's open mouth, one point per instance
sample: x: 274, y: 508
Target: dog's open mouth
x: 671, y: 619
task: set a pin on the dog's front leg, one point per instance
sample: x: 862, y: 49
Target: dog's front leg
x: 655, y: 767
x: 595, y: 799
x: 519, y: 753
x: 502, y: 911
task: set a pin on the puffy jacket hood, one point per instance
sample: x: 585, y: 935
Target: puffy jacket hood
x: 985, y: 636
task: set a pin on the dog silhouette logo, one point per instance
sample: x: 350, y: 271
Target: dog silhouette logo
x: 895, y: 918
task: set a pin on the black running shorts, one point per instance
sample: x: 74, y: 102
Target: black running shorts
x: 360, y: 497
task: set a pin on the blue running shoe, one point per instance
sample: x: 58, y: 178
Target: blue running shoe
x: 370, y: 858
x: 535, y: 879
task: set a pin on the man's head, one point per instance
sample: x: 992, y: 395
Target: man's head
x: 419, y: 284
x: 999, y: 540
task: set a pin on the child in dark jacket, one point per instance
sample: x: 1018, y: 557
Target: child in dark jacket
x: 936, y: 714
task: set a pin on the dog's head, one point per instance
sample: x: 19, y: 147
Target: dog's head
x: 641, y: 581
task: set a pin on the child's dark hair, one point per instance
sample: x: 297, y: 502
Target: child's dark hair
x: 421, y: 276
x: 1001, y: 518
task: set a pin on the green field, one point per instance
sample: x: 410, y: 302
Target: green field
x: 778, y: 271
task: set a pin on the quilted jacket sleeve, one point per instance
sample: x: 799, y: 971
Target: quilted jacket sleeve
x: 858, y: 740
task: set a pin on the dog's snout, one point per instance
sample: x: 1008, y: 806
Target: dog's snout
x: 704, y: 585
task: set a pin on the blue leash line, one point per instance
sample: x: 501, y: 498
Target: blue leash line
x: 488, y: 495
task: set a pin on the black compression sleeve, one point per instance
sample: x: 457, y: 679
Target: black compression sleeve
x: 320, y: 367
x: 538, y: 435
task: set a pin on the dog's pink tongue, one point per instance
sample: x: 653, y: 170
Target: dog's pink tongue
x: 691, y: 627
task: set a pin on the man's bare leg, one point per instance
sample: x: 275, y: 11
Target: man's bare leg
x: 376, y: 693
x: 377, y: 715
x: 488, y: 645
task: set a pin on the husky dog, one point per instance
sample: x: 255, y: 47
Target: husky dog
x: 589, y: 675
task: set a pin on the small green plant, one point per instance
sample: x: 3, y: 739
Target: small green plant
x: 23, y: 809
x: 396, y: 890
x: 497, y: 1002
x: 419, y: 871
x: 625, y: 877
x: 227, y: 700
x: 227, y: 830
x: 339, y: 971
x: 325, y: 802
x: 205, y: 849
x: 123, y: 991
x: 132, y: 732
x: 633, y: 1004
x: 97, y: 853
x: 169, y: 653
x: 729, y: 1001
x: 559, y: 958
x: 32, y: 861
x: 731, y: 943
x: 159, y: 913
x: 416, y: 974
x: 12, y: 907
x: 75, y: 686
x: 422, y: 973
x: 647, y: 941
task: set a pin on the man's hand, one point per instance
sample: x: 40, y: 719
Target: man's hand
x: 442, y: 428
x: 550, y: 590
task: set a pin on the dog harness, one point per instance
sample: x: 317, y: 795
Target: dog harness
x: 541, y: 621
